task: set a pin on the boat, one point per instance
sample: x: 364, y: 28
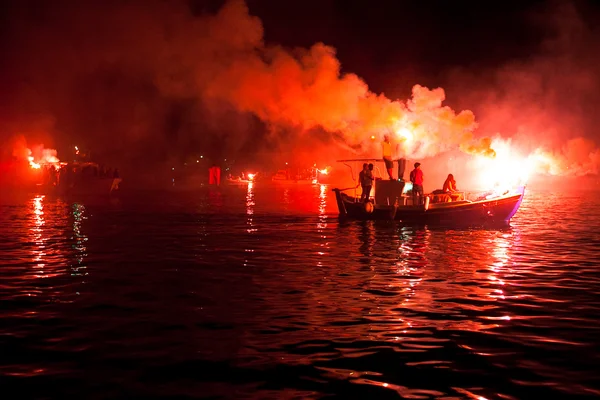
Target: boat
x: 284, y: 176
x: 307, y: 176
x: 79, y: 179
x: 243, y: 179
x: 393, y: 201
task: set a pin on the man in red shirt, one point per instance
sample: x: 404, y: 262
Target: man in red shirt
x: 416, y: 177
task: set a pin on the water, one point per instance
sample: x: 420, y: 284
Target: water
x: 262, y: 293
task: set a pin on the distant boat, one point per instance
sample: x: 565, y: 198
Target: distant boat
x: 284, y: 177
x: 237, y: 181
x: 85, y: 181
x: 391, y: 202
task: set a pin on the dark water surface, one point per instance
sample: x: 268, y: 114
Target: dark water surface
x: 262, y: 293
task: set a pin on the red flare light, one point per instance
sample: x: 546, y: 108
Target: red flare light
x: 33, y: 164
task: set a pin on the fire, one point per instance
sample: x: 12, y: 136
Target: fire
x: 35, y: 156
x: 506, y: 170
x: 33, y: 164
x: 46, y: 156
x: 324, y: 171
x: 250, y: 176
x: 404, y: 133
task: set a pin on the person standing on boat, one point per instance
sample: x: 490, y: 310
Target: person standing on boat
x: 416, y: 177
x: 386, y: 148
x: 365, y: 180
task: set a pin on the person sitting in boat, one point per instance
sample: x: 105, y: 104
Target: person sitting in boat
x: 416, y: 177
x: 450, y: 184
x: 365, y: 180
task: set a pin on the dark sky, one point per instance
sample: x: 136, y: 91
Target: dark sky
x: 85, y: 71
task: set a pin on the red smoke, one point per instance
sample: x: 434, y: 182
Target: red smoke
x: 117, y: 88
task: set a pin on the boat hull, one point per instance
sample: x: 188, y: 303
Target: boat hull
x: 349, y: 208
x: 494, y: 211
x: 93, y: 187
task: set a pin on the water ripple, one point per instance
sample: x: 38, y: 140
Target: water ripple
x: 255, y: 293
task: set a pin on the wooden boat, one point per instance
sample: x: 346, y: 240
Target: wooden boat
x: 391, y: 202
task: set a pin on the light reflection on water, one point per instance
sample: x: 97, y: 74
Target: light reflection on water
x: 80, y: 239
x: 273, y: 296
x: 37, y: 235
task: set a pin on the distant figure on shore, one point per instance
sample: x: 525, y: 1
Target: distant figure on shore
x: 365, y: 179
x: 386, y: 149
x: 214, y: 175
x: 450, y: 184
x: 416, y: 177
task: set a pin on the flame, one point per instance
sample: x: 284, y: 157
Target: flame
x: 324, y: 171
x: 505, y: 169
x: 404, y: 133
x: 42, y: 156
x: 33, y: 164
x: 250, y: 176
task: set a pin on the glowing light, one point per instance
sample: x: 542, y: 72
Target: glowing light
x: 250, y: 176
x: 507, y: 170
x: 47, y: 156
x: 404, y: 133
x: 33, y: 164
x: 372, y: 137
x: 324, y: 171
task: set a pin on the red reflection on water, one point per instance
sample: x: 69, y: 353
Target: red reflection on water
x: 250, y: 203
x: 37, y: 236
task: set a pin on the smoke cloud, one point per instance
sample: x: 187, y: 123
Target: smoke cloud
x: 150, y: 80
x: 145, y: 77
x: 546, y: 104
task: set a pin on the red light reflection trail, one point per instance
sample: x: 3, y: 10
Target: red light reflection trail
x: 322, y: 223
x: 250, y: 207
x: 37, y: 236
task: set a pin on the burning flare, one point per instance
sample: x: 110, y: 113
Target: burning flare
x: 505, y: 168
x: 37, y: 157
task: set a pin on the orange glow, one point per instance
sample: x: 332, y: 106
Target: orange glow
x: 44, y: 156
x: 324, y: 171
x: 404, y: 133
x: 33, y: 164
x: 507, y: 170
x: 250, y: 176
x: 372, y: 137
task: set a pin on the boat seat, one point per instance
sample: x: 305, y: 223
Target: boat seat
x: 443, y: 197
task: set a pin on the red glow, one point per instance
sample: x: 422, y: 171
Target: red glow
x: 33, y: 164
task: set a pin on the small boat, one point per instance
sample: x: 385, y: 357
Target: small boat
x: 238, y: 181
x: 79, y: 179
x: 392, y: 202
x: 286, y: 177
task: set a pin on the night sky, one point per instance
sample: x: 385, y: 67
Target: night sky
x: 122, y: 77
